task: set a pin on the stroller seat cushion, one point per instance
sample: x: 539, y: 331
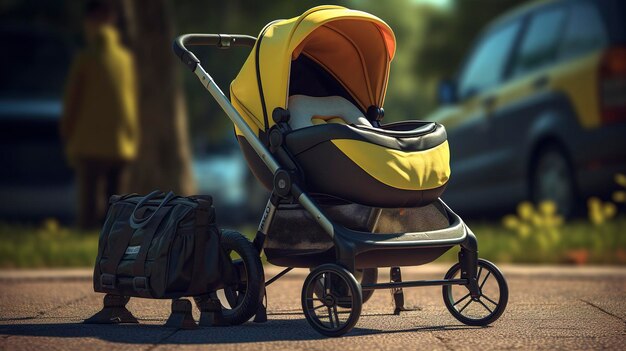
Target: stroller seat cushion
x: 307, y: 111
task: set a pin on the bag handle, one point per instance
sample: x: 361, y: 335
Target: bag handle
x: 140, y: 223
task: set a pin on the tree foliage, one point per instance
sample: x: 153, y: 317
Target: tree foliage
x: 432, y: 42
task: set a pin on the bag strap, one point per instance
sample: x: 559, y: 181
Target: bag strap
x: 201, y: 224
x: 139, y: 266
x: 140, y: 223
x: 108, y: 269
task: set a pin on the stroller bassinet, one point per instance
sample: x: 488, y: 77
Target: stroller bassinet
x: 357, y: 159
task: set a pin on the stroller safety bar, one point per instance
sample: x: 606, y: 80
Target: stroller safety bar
x: 222, y: 41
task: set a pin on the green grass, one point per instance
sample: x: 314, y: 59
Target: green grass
x: 49, y: 245
x: 574, y: 242
x: 46, y: 246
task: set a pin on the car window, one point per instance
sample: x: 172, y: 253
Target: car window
x: 539, y: 46
x: 487, y: 63
x: 584, y: 31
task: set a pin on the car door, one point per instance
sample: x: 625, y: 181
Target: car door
x: 467, y: 121
x: 550, y: 100
x: 518, y: 103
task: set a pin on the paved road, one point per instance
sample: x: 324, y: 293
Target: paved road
x: 549, y: 308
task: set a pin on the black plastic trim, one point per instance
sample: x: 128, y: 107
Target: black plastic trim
x: 422, y: 136
x: 260, y: 84
x: 218, y: 40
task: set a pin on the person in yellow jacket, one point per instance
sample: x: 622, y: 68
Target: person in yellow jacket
x: 100, y: 119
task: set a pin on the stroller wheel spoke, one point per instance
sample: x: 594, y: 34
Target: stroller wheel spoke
x: 460, y: 300
x: 330, y: 318
x: 317, y: 308
x: 327, y: 283
x: 485, y: 280
x: 485, y: 306
x: 480, y: 271
x: 336, y: 314
x: 345, y: 301
x: 240, y: 298
x: 490, y: 300
x: 464, y: 307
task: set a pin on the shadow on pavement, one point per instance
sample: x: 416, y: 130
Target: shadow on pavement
x: 273, y: 330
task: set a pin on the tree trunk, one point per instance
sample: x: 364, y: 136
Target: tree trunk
x: 164, y: 159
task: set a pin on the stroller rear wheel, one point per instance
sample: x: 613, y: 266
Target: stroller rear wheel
x: 242, y: 299
x: 365, y: 276
x: 338, y: 309
x: 488, y: 306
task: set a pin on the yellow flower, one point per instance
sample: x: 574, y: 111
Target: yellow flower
x: 537, y: 220
x: 595, y: 213
x: 525, y: 210
x: 547, y: 208
x: 51, y: 225
x: 619, y: 196
x: 523, y: 230
x: 620, y: 179
x: 599, y: 212
x: 596, y: 218
x: 593, y: 203
x: 609, y: 210
x: 510, y: 222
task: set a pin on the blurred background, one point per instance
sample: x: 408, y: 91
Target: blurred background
x: 532, y: 94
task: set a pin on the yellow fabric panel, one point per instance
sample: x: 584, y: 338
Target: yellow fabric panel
x: 275, y: 65
x: 369, y: 40
x: 416, y: 170
x: 252, y: 122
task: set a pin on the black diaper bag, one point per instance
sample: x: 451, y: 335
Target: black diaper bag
x: 159, y: 246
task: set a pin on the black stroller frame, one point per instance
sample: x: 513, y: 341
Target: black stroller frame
x: 348, y: 243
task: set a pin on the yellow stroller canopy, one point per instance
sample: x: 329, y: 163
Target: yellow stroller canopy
x: 355, y: 47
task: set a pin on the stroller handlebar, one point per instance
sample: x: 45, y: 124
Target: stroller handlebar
x: 222, y: 41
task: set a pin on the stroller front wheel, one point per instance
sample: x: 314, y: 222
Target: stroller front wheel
x: 488, y: 306
x: 338, y: 309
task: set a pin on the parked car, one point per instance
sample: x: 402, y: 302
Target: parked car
x: 538, y: 109
x: 35, y: 181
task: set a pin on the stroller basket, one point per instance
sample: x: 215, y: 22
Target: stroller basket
x: 391, y: 229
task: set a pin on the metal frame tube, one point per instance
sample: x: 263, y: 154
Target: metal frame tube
x: 236, y: 118
x: 268, y: 217
x: 278, y: 276
x: 258, y: 147
x: 415, y: 283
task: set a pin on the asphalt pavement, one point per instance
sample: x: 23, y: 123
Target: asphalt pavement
x: 568, y: 308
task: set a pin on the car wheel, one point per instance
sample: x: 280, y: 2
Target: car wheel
x: 553, y: 180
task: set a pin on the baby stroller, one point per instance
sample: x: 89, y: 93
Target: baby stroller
x: 349, y: 194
